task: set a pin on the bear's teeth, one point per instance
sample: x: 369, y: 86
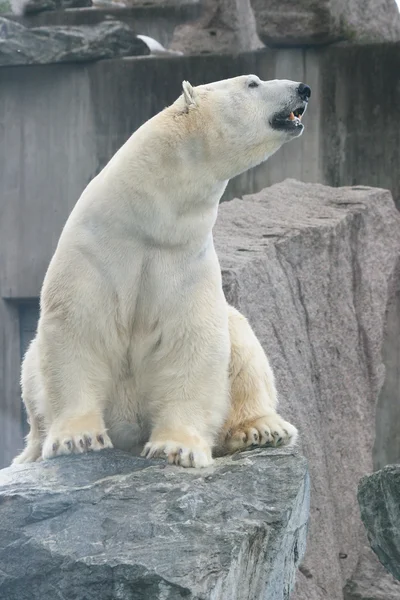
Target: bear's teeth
x: 291, y: 117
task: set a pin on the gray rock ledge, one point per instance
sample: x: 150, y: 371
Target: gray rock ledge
x: 111, y: 525
x: 41, y: 45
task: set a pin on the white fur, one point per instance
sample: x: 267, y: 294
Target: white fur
x: 134, y: 338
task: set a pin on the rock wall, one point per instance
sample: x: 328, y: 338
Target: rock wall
x: 243, y: 25
x: 313, y: 269
x: 22, y: 46
x: 283, y: 22
x: 224, y: 26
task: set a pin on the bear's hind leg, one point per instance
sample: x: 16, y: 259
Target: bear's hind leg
x: 253, y: 418
x: 33, y: 448
x: 32, y: 395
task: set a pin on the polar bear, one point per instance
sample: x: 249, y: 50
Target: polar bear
x: 136, y: 343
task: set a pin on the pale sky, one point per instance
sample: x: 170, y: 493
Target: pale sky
x: 398, y: 3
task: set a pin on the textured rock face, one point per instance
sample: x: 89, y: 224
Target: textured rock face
x: 379, y: 498
x: 372, y: 20
x: 21, y: 7
x: 110, y: 525
x: 225, y: 26
x: 312, y: 268
x: 284, y: 22
x: 371, y: 581
x: 22, y: 46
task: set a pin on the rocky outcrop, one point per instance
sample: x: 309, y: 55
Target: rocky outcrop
x: 312, y: 268
x: 230, y: 26
x: 379, y: 498
x: 284, y: 23
x: 41, y: 45
x: 109, y: 525
x: 225, y: 26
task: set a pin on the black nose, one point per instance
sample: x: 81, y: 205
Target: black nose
x: 304, y: 91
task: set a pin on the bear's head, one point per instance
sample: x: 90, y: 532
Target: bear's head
x: 245, y: 119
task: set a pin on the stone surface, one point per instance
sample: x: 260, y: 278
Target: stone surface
x: 40, y: 45
x: 150, y: 3
x: 312, y: 268
x: 109, y: 525
x: 28, y: 7
x: 387, y: 443
x: 371, y: 581
x: 282, y: 22
x: 369, y: 20
x: 379, y: 499
x: 225, y: 26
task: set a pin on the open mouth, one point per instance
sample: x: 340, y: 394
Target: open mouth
x: 290, y: 120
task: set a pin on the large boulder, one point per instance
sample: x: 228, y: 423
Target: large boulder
x: 379, y: 498
x: 312, y: 267
x: 109, y: 525
x: 225, y: 26
x: 40, y: 45
x: 283, y: 22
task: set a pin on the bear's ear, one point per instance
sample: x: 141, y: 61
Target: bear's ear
x: 189, y: 94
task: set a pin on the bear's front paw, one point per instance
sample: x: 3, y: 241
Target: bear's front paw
x: 76, y: 436
x: 270, y: 430
x: 187, y: 453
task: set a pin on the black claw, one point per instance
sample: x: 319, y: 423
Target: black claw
x: 88, y: 442
x: 191, y: 457
x: 81, y: 443
x: 100, y: 439
x: 55, y: 447
x: 69, y: 445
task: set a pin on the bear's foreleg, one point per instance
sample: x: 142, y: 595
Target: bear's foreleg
x: 190, y: 398
x: 253, y: 419
x: 75, y: 383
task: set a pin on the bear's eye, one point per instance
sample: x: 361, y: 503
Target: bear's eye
x: 253, y: 84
